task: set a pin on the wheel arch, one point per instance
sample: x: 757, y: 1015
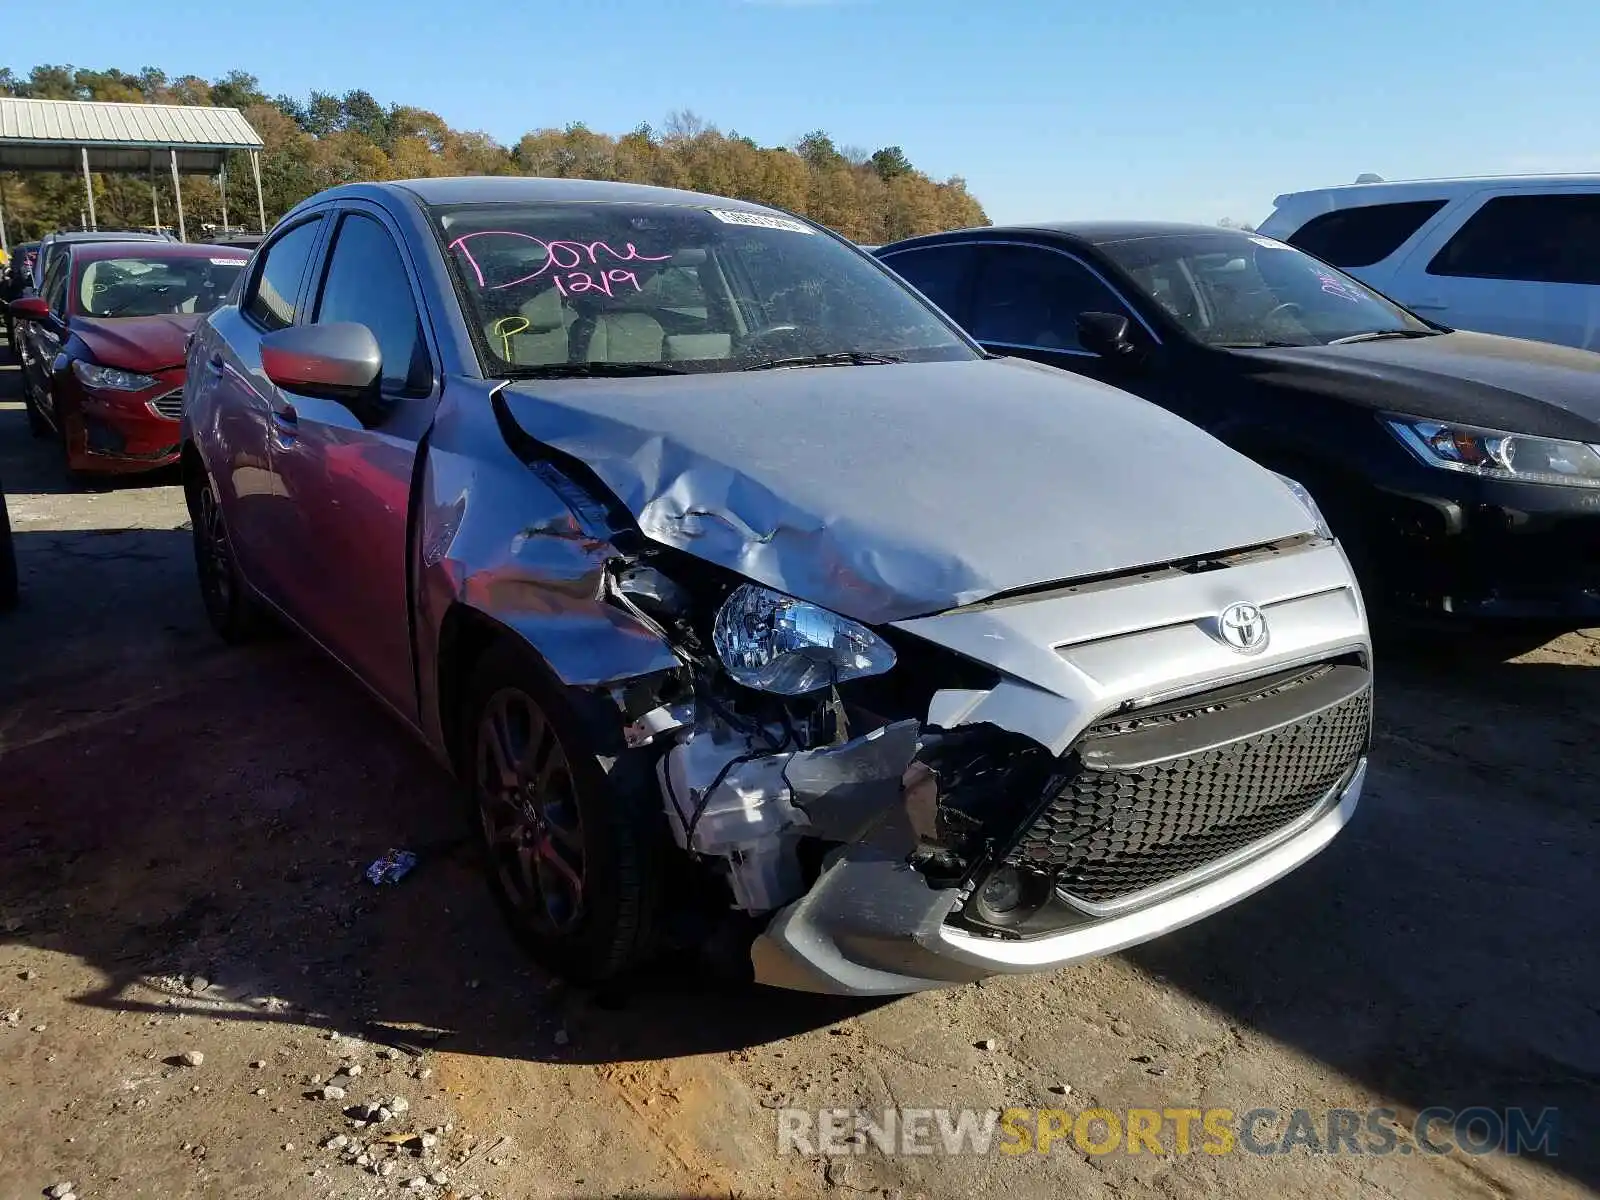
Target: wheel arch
x: 191, y: 471
x: 466, y: 635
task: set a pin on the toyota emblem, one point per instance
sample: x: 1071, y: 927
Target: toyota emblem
x: 1243, y: 627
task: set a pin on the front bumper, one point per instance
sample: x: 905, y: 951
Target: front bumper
x: 121, y: 433
x: 1491, y: 549
x: 872, y: 927
x: 875, y: 924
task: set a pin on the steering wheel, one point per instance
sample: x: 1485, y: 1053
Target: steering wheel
x: 767, y: 333
x: 1282, y: 310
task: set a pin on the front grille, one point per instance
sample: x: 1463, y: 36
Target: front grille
x: 1108, y: 834
x: 169, y: 405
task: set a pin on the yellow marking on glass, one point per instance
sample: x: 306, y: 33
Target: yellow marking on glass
x: 507, y: 328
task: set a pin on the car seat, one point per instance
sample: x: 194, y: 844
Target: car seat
x: 536, y: 334
x: 621, y: 337
x: 679, y: 346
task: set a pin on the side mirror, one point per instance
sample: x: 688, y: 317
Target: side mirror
x: 339, y: 361
x: 30, y: 308
x: 1106, y: 334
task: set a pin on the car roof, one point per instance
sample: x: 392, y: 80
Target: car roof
x: 526, y: 189
x: 1354, y: 195
x: 99, y: 251
x: 1090, y: 233
x: 88, y: 235
x: 1100, y: 232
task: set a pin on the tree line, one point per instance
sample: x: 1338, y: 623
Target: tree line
x: 325, y: 140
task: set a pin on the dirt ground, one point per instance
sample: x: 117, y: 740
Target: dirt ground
x: 183, y: 830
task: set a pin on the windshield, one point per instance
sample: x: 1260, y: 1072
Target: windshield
x: 623, y: 288
x: 1236, y: 289
x: 148, y: 287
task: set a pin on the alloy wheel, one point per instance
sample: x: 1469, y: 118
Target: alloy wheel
x: 529, y: 809
x: 213, y: 558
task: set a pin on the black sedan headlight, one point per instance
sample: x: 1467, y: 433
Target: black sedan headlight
x: 1495, y: 454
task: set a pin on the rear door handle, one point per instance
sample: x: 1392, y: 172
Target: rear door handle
x: 1428, y: 305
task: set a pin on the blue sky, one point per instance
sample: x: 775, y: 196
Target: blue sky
x: 1155, y: 108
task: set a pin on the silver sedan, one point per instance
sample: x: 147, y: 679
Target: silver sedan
x: 761, y: 612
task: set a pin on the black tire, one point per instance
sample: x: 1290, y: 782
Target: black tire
x: 229, y: 606
x: 37, y: 425
x: 573, y: 851
x: 8, y: 561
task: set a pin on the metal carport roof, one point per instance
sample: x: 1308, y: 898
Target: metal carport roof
x: 94, y: 135
x: 52, y: 135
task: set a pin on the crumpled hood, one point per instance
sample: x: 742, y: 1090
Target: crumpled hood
x: 137, y: 343
x: 887, y: 492
x: 1476, y: 378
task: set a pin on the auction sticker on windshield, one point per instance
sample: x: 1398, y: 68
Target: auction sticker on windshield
x: 761, y: 220
x: 229, y: 262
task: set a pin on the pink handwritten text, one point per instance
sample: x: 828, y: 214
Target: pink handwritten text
x: 567, y: 262
x: 575, y: 283
x: 1342, y: 288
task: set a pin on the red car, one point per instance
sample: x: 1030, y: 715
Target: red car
x: 102, y: 347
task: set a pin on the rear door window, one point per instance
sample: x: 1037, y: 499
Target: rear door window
x: 1360, y: 237
x: 276, y: 286
x: 1552, y: 238
x: 941, y: 273
x: 1029, y: 296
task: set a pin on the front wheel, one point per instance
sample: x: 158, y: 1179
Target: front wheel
x: 572, y: 852
x: 228, y: 606
x: 37, y: 425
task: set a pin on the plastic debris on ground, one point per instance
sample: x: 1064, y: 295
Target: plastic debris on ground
x: 392, y: 867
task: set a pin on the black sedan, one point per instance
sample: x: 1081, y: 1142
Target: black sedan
x: 1461, y: 470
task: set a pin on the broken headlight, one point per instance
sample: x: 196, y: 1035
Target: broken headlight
x: 775, y: 643
x: 1319, y: 521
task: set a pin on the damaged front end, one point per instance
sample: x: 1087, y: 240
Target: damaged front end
x: 765, y: 783
x: 914, y: 818
x: 893, y: 802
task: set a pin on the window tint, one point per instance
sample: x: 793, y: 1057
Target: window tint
x: 1359, y: 237
x: 54, y: 290
x: 42, y: 267
x: 278, y: 278
x: 939, y: 272
x: 367, y: 283
x: 1543, y: 239
x: 1236, y: 290
x: 1032, y: 297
